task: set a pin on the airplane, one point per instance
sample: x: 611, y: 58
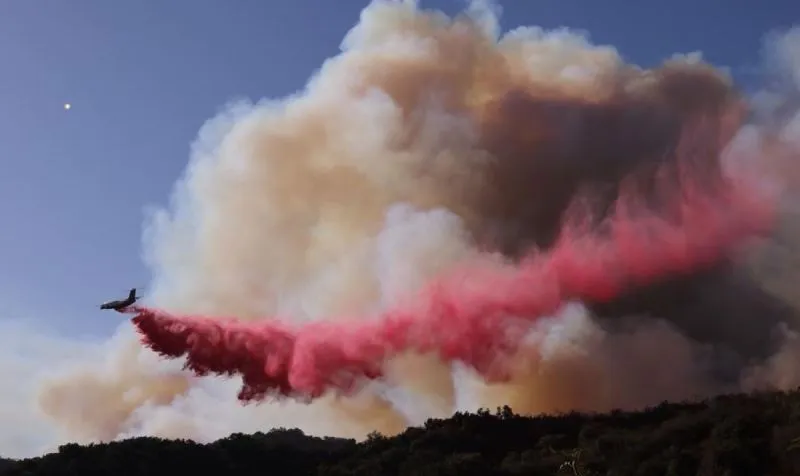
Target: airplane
x: 121, y: 304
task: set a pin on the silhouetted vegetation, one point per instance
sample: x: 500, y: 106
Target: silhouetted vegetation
x: 729, y: 435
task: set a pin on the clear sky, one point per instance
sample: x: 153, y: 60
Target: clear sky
x: 142, y: 77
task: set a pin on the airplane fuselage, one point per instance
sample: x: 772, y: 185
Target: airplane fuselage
x: 118, y: 306
x: 121, y: 304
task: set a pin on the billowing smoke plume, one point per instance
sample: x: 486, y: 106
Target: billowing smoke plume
x: 427, y: 143
x: 476, y: 317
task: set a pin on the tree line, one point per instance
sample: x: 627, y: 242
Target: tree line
x: 734, y: 435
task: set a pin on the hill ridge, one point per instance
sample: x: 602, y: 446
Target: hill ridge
x: 736, y: 434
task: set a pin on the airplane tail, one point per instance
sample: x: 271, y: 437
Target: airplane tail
x: 132, y: 294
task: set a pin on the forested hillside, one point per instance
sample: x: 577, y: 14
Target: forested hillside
x: 729, y: 435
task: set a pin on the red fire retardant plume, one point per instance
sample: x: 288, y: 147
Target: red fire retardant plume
x: 478, y: 315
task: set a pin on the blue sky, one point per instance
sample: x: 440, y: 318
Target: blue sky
x: 144, y: 75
